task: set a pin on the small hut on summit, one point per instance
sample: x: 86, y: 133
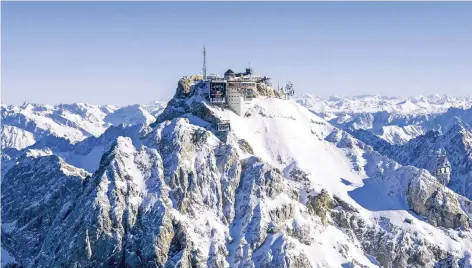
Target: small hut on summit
x: 229, y: 74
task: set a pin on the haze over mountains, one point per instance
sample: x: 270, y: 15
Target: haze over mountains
x: 307, y: 182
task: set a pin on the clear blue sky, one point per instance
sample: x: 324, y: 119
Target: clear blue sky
x: 125, y: 52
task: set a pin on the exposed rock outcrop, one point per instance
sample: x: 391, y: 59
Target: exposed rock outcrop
x: 267, y: 91
x: 320, y: 205
x: 441, y: 207
x: 185, y: 85
x: 245, y: 146
x: 257, y: 228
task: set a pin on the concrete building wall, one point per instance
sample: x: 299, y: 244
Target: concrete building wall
x: 236, y: 95
x: 235, y: 100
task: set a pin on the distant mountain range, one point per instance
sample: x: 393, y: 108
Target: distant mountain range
x: 389, y: 118
x: 23, y: 125
x: 431, y: 104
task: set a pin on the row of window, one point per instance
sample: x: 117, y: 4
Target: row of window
x: 240, y: 86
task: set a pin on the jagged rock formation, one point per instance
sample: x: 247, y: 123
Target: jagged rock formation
x: 391, y: 246
x: 185, y: 85
x: 130, y: 211
x: 267, y: 91
x: 34, y: 193
x: 103, y: 225
x: 319, y: 205
x: 429, y: 198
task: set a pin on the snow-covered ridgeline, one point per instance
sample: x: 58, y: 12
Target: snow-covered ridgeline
x: 375, y: 103
x: 25, y: 124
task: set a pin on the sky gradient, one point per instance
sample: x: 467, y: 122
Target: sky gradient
x: 135, y: 52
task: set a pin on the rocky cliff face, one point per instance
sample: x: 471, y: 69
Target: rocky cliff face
x: 34, y: 193
x: 441, y: 207
x: 102, y: 228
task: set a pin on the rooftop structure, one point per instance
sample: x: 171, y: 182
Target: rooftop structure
x: 236, y: 90
x: 229, y: 73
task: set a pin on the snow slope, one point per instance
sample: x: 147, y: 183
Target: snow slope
x: 286, y: 134
x: 14, y: 137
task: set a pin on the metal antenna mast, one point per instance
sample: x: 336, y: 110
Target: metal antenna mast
x: 204, y: 64
x: 288, y: 90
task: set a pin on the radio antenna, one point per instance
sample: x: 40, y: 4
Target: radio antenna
x: 204, y: 64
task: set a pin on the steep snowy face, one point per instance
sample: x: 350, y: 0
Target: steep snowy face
x: 80, y: 133
x: 155, y: 108
x: 17, y: 138
x: 74, y: 122
x: 34, y: 193
x: 85, y: 154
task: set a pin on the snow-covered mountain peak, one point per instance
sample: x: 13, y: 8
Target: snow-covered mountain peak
x: 282, y: 188
x: 124, y: 144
